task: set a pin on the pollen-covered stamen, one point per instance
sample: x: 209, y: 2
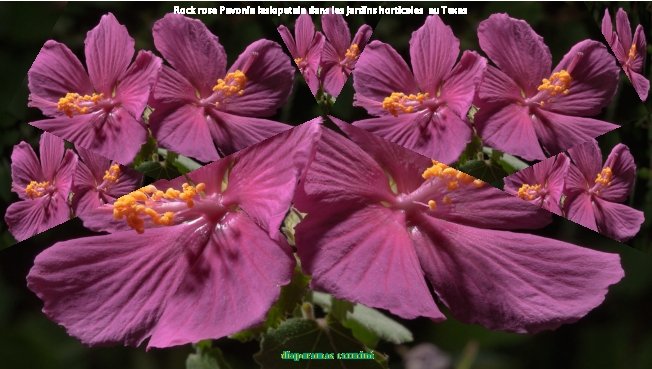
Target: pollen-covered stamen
x: 351, y: 56
x: 452, y: 178
x: 632, y: 53
x: 233, y: 84
x: 37, y: 189
x: 558, y: 83
x: 605, y: 177
x: 136, y: 206
x: 112, y: 174
x: 75, y: 104
x: 399, y: 102
x: 529, y: 192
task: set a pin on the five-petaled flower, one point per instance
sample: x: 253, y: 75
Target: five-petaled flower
x: 100, y: 110
x: 43, y: 187
x: 306, y: 49
x: 527, y: 110
x: 380, y: 217
x: 594, y: 192
x: 197, y: 260
x: 629, y: 51
x: 99, y: 181
x: 541, y: 184
x: 425, y: 111
x: 201, y: 109
x: 340, y: 52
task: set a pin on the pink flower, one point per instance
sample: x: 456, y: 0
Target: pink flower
x: 203, y: 260
x: 528, y: 111
x: 205, y: 111
x: 340, y: 53
x: 629, y: 52
x: 43, y: 187
x: 594, y: 191
x: 425, y: 111
x: 100, y: 181
x: 100, y: 110
x: 380, y: 218
x: 541, y: 184
x: 306, y: 50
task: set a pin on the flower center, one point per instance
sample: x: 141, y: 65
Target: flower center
x: 632, y: 53
x: 37, y: 189
x: 529, y: 192
x: 398, y: 102
x: 604, y: 177
x: 451, y: 178
x: 232, y: 84
x: 136, y: 206
x: 301, y: 62
x: 558, y: 83
x: 75, y: 104
x: 112, y: 174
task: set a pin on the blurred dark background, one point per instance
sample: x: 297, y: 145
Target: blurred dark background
x: 618, y: 334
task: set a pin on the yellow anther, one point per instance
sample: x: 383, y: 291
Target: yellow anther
x: 352, y: 52
x: 447, y: 200
x: 432, y: 204
x: 298, y: 61
x: 453, y: 185
x: 604, y: 177
x: 138, y: 204
x: 112, y: 174
x: 529, y: 192
x: 399, y: 102
x: 632, y: 52
x: 559, y: 83
x: 36, y: 189
x: 74, y: 103
x: 232, y: 84
x: 478, y: 183
x: 451, y: 176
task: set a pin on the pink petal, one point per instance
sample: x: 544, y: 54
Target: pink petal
x: 29, y: 217
x: 509, y: 128
x: 640, y: 83
x: 622, y: 165
x: 233, y: 132
x: 304, y: 30
x: 288, y: 40
x: 404, y: 166
x: 191, y: 49
x: 331, y: 246
x: 51, y: 150
x: 623, y: 29
x: 441, y: 135
x: 108, y: 49
x: 641, y: 50
x: 607, y: 28
x: 231, y: 285
x: 55, y: 72
x: 117, y: 136
x: 460, y: 86
x: 334, y: 76
x: 134, y: 89
x: 184, y: 129
x: 85, y: 201
x: 342, y: 172
x: 263, y: 177
x: 25, y: 167
x: 579, y: 209
x: 92, y: 167
x: 587, y: 160
x: 269, y: 75
x: 172, y: 87
x: 337, y: 32
x: 380, y: 70
x: 617, y: 221
x: 509, y: 281
x: 558, y: 132
x: 516, y: 49
x: 595, y: 78
x: 313, y: 58
x: 362, y: 36
x: 497, y: 87
x: 433, y: 51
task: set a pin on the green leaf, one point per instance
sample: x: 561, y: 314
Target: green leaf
x: 147, y: 151
x: 206, y: 357
x: 182, y: 163
x: 485, y: 170
x: 367, y: 324
x: 158, y: 169
x: 319, y: 345
x: 291, y: 220
x: 508, y: 162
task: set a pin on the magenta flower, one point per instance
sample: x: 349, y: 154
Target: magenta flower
x: 100, y: 110
x: 629, y: 52
x: 340, y: 53
x: 524, y: 108
x: 306, y: 50
x: 380, y: 218
x: 202, y: 261
x: 425, y: 111
x: 541, y: 184
x: 205, y: 111
x: 100, y: 181
x: 43, y: 187
x: 594, y: 191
